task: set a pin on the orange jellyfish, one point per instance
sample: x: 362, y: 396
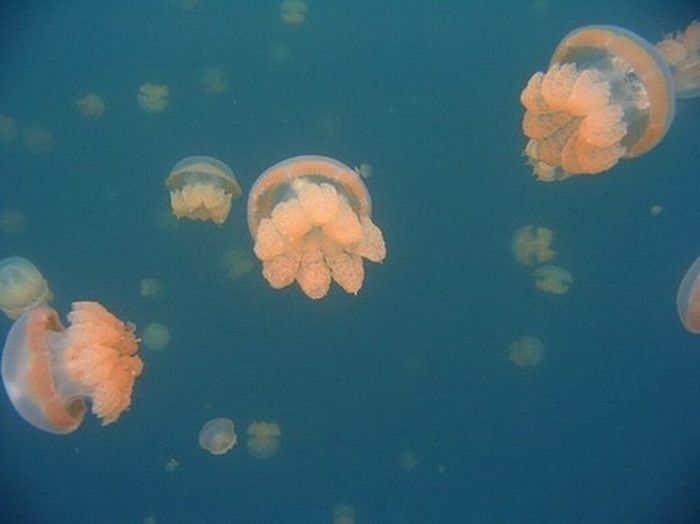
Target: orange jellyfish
x: 218, y: 436
x: 48, y: 370
x: 688, y: 298
x: 608, y: 94
x: 682, y: 52
x: 22, y: 286
x: 310, y: 219
x: 293, y: 12
x: 202, y: 188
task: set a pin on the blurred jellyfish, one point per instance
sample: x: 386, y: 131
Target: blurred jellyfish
x: 365, y: 170
x: 49, y: 371
x: 527, y: 352
x: 237, y: 262
x: 218, y: 436
x: 155, y: 336
x: 188, y: 5
x: 280, y: 53
x: 688, y: 298
x: 608, y: 94
x: 408, y: 461
x: 682, y: 52
x: 37, y: 139
x: 263, y: 439
x: 12, y: 221
x: 171, y: 465
x: 531, y: 245
x: 343, y: 513
x: 214, y: 81
x: 310, y: 217
x: 151, y: 288
x: 202, y: 188
x: 91, y: 106
x: 22, y: 286
x: 153, y: 98
x: 293, y: 12
x: 8, y: 129
x: 656, y: 210
x: 553, y: 279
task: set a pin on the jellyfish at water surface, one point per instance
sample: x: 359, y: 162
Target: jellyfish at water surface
x: 310, y: 217
x: 608, y: 94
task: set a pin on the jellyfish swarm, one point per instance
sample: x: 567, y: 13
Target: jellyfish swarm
x: 688, y: 298
x: 310, y: 219
x: 22, y: 286
x: 608, y: 94
x: 202, y: 188
x: 682, y: 52
x: 48, y: 370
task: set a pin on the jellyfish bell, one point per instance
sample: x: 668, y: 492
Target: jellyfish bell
x: 22, y: 286
x: 344, y: 513
x: 553, y: 279
x: 688, y: 298
x: 608, y: 94
x: 49, y: 371
x: 263, y: 439
x: 532, y: 245
x: 91, y: 105
x: 218, y: 436
x: 153, y: 98
x: 202, y: 188
x: 293, y: 12
x: 682, y: 52
x: 526, y: 352
x: 8, y: 129
x: 155, y: 336
x: 310, y: 218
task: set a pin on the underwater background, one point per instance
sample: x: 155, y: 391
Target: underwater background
x: 401, y: 401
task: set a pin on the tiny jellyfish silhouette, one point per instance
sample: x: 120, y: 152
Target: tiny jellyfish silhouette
x: 344, y: 513
x: 218, y: 436
x: 527, y: 352
x: 151, y: 288
x: 202, y: 188
x: 310, y: 218
x: 408, y: 461
x: 171, y: 465
x: 365, y: 170
x: 263, y: 439
x: 155, y: 336
x: 12, y: 221
x: 608, y: 94
x: 37, y: 139
x: 293, y: 12
x: 214, y: 81
x: 531, y: 245
x: 682, y: 52
x: 8, y: 129
x: 688, y: 298
x: 656, y: 210
x: 153, y: 98
x: 91, y: 105
x: 22, y: 286
x: 553, y: 279
x: 49, y: 371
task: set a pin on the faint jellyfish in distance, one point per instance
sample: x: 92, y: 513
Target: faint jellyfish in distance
x: 91, y: 105
x: 8, y: 129
x: 214, y: 81
x: 343, y: 513
x: 202, y: 188
x: 263, y: 439
x: 37, y: 139
x: 531, y: 245
x: 553, y: 279
x: 293, y: 12
x: 49, y: 371
x: 310, y: 218
x: 526, y: 352
x: 218, y: 436
x: 153, y: 98
x: 12, y: 221
x: 22, y: 286
x: 688, y: 298
x: 155, y: 336
x: 151, y: 288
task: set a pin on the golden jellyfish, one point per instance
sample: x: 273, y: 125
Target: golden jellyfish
x: 682, y: 52
x: 49, y: 371
x: 688, y: 298
x: 153, y: 98
x: 527, y: 352
x: 293, y: 12
x: 155, y: 336
x: 608, y: 94
x: 151, y: 288
x: 532, y: 245
x: 8, y: 129
x: 310, y: 218
x: 12, y: 221
x: 263, y: 439
x: 91, y: 106
x: 22, y: 286
x: 37, y: 139
x: 344, y: 513
x: 553, y: 279
x: 214, y: 81
x: 218, y: 436
x: 202, y: 188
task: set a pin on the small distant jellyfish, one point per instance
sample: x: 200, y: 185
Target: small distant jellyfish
x: 293, y: 12
x: 688, y: 298
x: 12, y: 221
x: 214, y: 81
x: 408, y: 461
x: 365, y: 170
x: 682, y: 52
x: 527, y: 352
x: 8, y: 129
x: 37, y: 139
x: 202, y: 188
x: 310, y: 217
x: 237, y: 262
x: 153, y: 98
x: 171, y: 465
x: 49, y: 371
x: 91, y: 106
x: 151, y: 288
x: 22, y: 286
x: 218, y: 436
x: 263, y: 439
x: 553, y: 279
x: 155, y: 336
x: 531, y: 245
x: 656, y: 210
x: 344, y: 513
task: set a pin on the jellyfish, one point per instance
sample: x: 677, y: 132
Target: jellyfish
x: 531, y: 245
x: 151, y: 288
x: 682, y: 52
x: 49, y: 371
x: 12, y: 221
x: 153, y: 98
x: 688, y: 298
x: 293, y: 12
x: 408, y: 461
x: 608, y: 94
x: 218, y: 436
x: 91, y: 106
x: 202, y: 188
x: 214, y: 81
x: 310, y: 219
x: 263, y: 439
x: 37, y: 139
x: 22, y: 286
x: 553, y: 279
x: 343, y: 513
x: 156, y: 336
x: 365, y: 170
x: 8, y: 129
x: 527, y: 352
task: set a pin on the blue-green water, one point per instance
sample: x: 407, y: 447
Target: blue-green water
x: 605, y: 429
